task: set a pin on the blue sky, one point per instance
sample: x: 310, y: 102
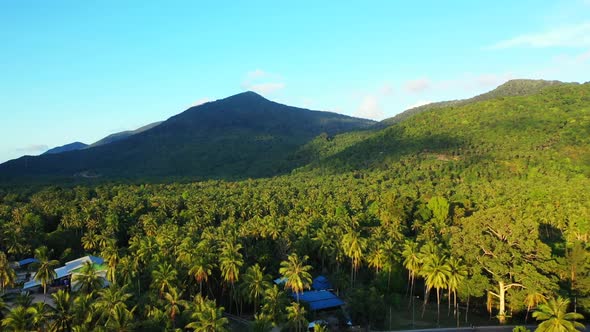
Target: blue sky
x: 80, y: 70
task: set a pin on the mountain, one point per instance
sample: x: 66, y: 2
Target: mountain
x: 240, y: 136
x: 68, y: 147
x: 124, y: 134
x: 517, y: 87
x: 547, y: 132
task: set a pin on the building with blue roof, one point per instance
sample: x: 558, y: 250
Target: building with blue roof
x: 66, y: 271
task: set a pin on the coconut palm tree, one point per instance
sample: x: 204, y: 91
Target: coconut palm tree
x: 412, y: 263
x: 274, y: 301
x: 206, y: 316
x: 254, y: 284
x: 87, y: 278
x: 230, y: 262
x: 18, y: 320
x: 164, y: 277
x: 353, y: 245
x: 200, y: 269
x: 61, y: 313
x: 377, y: 259
x: 7, y: 274
x: 555, y: 318
x: 532, y: 299
x: 296, y: 273
x: 45, y: 268
x: 121, y: 319
x: 457, y: 273
x: 108, y: 299
x: 173, y: 304
x: 296, y: 315
x: 435, y: 271
x: 39, y: 315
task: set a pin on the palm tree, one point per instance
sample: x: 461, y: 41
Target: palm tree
x: 274, y: 302
x: 555, y: 318
x: 121, y: 319
x: 457, y: 273
x: 532, y: 299
x: 18, y: 320
x: 61, y: 313
x: 412, y: 263
x: 164, y: 277
x: 377, y: 259
x: 296, y: 274
x: 296, y: 315
x: 45, y: 271
x: 108, y: 299
x: 353, y: 245
x: 207, y: 317
x: 173, y: 303
x: 83, y: 310
x: 230, y: 262
x: 201, y: 269
x: 39, y: 316
x: 87, y: 278
x: 110, y: 253
x: 255, y: 283
x: 435, y: 271
x: 7, y: 274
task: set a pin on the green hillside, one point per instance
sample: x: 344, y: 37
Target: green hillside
x: 491, y: 199
x: 518, y: 87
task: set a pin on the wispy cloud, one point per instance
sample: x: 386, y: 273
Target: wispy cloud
x: 266, y: 88
x: 418, y: 85
x: 200, y: 101
x: 573, y: 35
x: 262, y: 82
x: 33, y: 148
x: 419, y: 103
x: 370, y: 105
x: 370, y: 108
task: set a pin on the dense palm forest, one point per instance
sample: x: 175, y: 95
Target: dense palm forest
x: 479, y: 210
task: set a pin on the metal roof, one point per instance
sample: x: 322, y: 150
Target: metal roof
x: 321, y: 283
x: 27, y: 261
x: 67, y: 269
x: 318, y: 300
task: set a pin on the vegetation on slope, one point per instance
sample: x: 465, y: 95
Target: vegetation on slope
x: 483, y: 205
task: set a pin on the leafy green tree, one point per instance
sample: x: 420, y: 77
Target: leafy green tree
x: 353, y: 245
x: 61, y: 311
x: 274, y: 302
x: 296, y: 273
x: 296, y: 316
x: 436, y: 272
x: 164, y: 278
x: 17, y: 320
x: 45, y: 268
x: 554, y: 317
x: 206, y: 316
x: 255, y: 283
x: 7, y: 274
x: 87, y: 279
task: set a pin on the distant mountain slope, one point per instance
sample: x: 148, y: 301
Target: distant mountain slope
x: 241, y: 136
x: 68, y: 147
x: 124, y: 134
x: 545, y: 132
x: 518, y: 87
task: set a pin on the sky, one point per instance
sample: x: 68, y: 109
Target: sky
x: 81, y: 70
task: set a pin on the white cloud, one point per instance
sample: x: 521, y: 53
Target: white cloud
x: 386, y: 90
x: 574, y: 35
x: 200, y: 101
x: 418, y: 85
x: 266, y: 88
x: 33, y: 148
x: 256, y: 73
x: 262, y: 82
x: 419, y: 103
x: 370, y: 108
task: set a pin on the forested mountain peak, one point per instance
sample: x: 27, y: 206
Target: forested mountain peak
x: 245, y: 135
x: 514, y: 87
